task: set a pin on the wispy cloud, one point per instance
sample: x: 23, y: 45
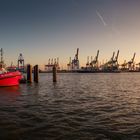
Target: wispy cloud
x: 101, y: 18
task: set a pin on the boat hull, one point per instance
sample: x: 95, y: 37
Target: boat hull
x: 10, y: 79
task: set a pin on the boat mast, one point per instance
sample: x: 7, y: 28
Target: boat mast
x: 1, y: 59
x: 1, y: 55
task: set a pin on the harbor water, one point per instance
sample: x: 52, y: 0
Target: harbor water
x: 77, y: 107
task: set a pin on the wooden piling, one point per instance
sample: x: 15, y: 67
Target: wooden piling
x: 54, y: 73
x: 29, y: 73
x: 36, y: 73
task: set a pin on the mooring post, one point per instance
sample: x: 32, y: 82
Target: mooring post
x: 54, y: 73
x: 29, y: 73
x: 36, y: 73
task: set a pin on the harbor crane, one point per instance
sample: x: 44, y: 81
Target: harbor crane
x: 124, y: 65
x: 112, y: 64
x: 108, y: 65
x: 94, y: 63
x: 131, y: 64
x: 138, y: 66
x: 87, y: 64
x: 115, y: 62
x: 51, y: 63
x: 75, y: 61
x: 21, y: 63
x: 69, y: 64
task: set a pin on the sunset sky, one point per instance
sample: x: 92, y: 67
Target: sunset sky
x: 43, y: 29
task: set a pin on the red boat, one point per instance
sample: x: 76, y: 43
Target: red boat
x: 10, y: 78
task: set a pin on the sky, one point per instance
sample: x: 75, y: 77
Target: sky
x: 43, y: 29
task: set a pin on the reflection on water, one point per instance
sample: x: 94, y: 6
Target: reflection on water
x: 78, y: 106
x: 9, y: 93
x: 13, y: 89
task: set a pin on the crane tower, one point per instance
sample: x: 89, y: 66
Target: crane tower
x: 21, y: 62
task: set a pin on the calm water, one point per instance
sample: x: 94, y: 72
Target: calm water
x: 77, y: 107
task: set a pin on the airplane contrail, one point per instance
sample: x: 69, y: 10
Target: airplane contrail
x: 101, y: 18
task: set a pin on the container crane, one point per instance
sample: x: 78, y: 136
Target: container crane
x: 51, y: 63
x: 54, y: 61
x: 138, y: 66
x: 110, y: 62
x: 131, y: 64
x: 57, y: 63
x: 115, y: 62
x: 108, y: 65
x: 94, y: 63
x: 75, y: 61
x: 48, y: 67
x: 124, y: 65
x: 87, y: 64
x: 69, y: 64
x: 116, y: 58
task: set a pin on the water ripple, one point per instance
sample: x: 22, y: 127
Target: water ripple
x: 78, y: 106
